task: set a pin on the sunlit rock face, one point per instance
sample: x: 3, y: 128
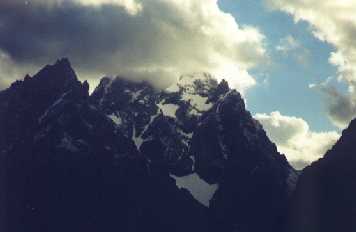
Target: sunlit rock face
x: 324, y: 197
x: 130, y: 157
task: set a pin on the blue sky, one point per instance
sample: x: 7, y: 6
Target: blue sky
x: 283, y: 83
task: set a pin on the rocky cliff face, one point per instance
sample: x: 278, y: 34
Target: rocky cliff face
x: 199, y: 131
x: 130, y: 157
x: 66, y: 166
x: 232, y: 149
x: 324, y: 198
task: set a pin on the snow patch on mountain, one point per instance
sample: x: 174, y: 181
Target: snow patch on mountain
x: 168, y: 109
x: 200, y: 189
x: 195, y: 90
x: 115, y: 118
x: 138, y: 140
x: 56, y: 103
x: 136, y: 95
x: 198, y: 102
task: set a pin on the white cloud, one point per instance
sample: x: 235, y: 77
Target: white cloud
x: 133, y: 7
x: 294, y: 138
x: 334, y: 22
x: 150, y: 39
x: 290, y: 46
x: 287, y: 44
x: 10, y: 71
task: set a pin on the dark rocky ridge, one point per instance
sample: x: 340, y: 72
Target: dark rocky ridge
x: 22, y: 104
x: 231, y: 148
x: 324, y: 199
x: 109, y: 161
x: 73, y: 170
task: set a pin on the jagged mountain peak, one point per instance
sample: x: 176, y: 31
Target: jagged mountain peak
x: 63, y: 62
x: 61, y: 71
x: 343, y: 151
x: 56, y: 76
x: 347, y: 138
x: 29, y: 99
x: 233, y: 99
x: 199, y: 130
x: 199, y: 83
x: 194, y: 150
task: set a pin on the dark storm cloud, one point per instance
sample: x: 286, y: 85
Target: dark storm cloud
x: 105, y: 39
x: 158, y: 40
x: 341, y: 106
x: 2, y: 84
x: 38, y: 33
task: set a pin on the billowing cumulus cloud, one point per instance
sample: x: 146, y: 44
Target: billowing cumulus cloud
x: 333, y: 22
x: 156, y: 40
x: 294, y: 138
x: 132, y: 6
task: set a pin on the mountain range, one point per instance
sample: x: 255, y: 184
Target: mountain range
x: 130, y: 157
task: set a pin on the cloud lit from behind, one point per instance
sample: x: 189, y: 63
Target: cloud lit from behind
x: 155, y: 40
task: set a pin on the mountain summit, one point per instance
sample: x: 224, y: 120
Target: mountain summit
x: 130, y: 157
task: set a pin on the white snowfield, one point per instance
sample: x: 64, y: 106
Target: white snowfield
x: 200, y: 189
x: 115, y: 118
x: 168, y: 109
